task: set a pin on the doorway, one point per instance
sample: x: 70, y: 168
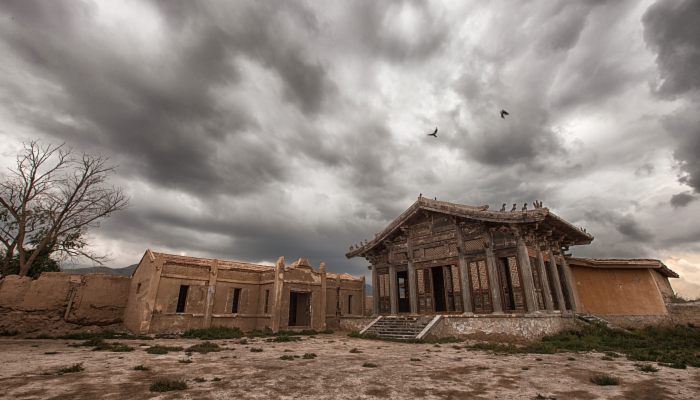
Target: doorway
x: 299, y: 309
x: 438, y: 289
x: 403, y: 295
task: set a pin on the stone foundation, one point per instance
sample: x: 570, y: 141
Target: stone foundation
x: 505, y: 327
x: 350, y: 323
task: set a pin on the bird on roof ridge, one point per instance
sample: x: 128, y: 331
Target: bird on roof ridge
x: 503, y: 207
x: 515, y: 205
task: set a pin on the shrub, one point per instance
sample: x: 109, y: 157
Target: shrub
x: 214, y: 333
x: 141, y: 368
x: 166, y: 385
x: 162, y: 349
x: 355, y: 350
x: 284, y: 338
x: 415, y: 359
x: 605, y: 380
x: 327, y: 331
x: 185, y: 361
x: 256, y: 350
x: 50, y: 352
x: 309, y: 356
x: 287, y: 357
x: 215, y: 379
x: 199, y: 379
x: 646, y: 367
x: 101, y: 345
x: 205, y: 347
x: 72, y: 369
x: 370, y: 365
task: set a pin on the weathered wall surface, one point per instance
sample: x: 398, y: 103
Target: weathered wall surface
x: 350, y: 323
x: 685, y: 313
x: 506, y: 327
x: 608, y: 292
x: 638, y: 321
x: 58, y: 302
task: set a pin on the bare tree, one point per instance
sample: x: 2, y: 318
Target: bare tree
x: 49, y: 201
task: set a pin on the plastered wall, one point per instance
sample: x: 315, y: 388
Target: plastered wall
x: 618, y: 291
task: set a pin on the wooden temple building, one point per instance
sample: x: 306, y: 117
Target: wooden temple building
x: 443, y: 258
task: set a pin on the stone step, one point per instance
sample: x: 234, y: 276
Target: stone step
x: 401, y: 328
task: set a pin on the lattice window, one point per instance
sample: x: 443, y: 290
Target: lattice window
x: 420, y: 281
x: 437, y: 251
x: 455, y: 279
x: 474, y: 246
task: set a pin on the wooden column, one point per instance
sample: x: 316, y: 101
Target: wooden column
x: 375, y: 290
x: 526, y: 273
x: 546, y: 292
x: 494, y: 286
x: 554, y: 273
x: 412, y: 292
x: 463, y: 271
x: 570, y: 284
x: 393, y: 300
x: 211, y: 289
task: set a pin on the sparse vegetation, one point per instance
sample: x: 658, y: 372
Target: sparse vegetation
x: 646, y: 367
x: 204, y: 347
x: 185, y: 361
x: 287, y: 357
x: 72, y: 369
x: 370, y: 365
x: 309, y: 356
x: 216, y: 379
x: 8, y: 333
x: 199, y: 379
x: 675, y: 347
x: 355, y: 350
x: 167, y: 385
x: 606, y: 358
x: 214, y: 333
x: 141, y: 367
x: 50, y: 352
x: 162, y: 349
x: 415, y: 359
x: 101, y: 345
x: 604, y: 380
x: 256, y: 350
x: 284, y: 338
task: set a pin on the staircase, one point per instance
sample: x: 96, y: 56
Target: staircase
x: 594, y: 319
x: 399, y: 327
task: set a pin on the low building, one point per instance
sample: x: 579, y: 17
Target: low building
x: 171, y: 293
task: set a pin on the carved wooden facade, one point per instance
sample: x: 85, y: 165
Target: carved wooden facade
x: 440, y: 257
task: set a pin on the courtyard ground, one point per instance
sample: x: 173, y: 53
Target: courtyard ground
x: 29, y: 369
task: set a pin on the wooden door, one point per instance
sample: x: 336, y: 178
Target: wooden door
x: 511, y: 285
x: 479, y: 281
x: 424, y: 291
x: 384, y: 299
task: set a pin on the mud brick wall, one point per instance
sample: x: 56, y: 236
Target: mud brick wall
x: 685, y: 313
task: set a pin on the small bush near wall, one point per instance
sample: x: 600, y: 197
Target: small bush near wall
x: 214, y: 333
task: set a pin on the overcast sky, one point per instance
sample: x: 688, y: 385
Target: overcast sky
x: 250, y: 130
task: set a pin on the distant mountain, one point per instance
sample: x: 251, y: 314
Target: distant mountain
x: 126, y: 271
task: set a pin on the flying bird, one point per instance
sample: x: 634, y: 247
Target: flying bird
x: 504, y: 113
x: 434, y: 134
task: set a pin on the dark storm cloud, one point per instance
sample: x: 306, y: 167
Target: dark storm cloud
x: 682, y: 199
x: 162, y: 113
x: 672, y: 29
x: 625, y: 224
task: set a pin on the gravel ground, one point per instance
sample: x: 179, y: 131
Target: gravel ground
x: 447, y: 371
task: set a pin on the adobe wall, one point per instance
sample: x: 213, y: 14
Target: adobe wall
x: 59, y: 303
x: 609, y: 292
x: 350, y: 323
x: 505, y: 327
x: 685, y: 313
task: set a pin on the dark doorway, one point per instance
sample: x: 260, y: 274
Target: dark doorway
x: 182, y: 299
x: 299, y: 309
x: 402, y: 287
x: 438, y: 289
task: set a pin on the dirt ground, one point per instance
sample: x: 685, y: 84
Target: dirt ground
x: 29, y: 371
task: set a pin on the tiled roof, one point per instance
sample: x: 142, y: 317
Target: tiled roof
x: 223, y: 264
x: 479, y: 213
x: 623, y: 263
